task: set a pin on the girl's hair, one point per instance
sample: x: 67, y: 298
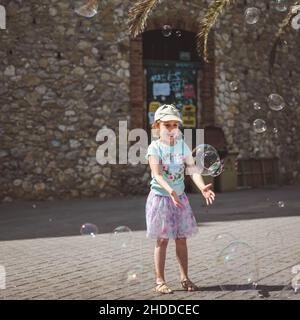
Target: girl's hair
x: 155, y: 129
x: 155, y: 125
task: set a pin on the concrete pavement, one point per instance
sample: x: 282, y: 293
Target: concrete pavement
x: 45, y: 257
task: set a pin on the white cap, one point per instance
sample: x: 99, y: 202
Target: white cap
x: 167, y: 112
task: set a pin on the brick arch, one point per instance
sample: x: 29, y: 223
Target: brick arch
x: 138, y: 82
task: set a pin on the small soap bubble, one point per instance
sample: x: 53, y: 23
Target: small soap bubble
x: 256, y: 106
x: 259, y: 126
x: 138, y: 275
x: 280, y: 204
x: 89, y: 229
x: 276, y: 102
x: 88, y: 10
x: 178, y: 33
x: 121, y: 236
x: 234, y: 85
x: 252, y: 15
x: 166, y: 30
x: 280, y: 5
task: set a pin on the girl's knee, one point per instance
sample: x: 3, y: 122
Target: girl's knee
x: 162, y: 242
x: 180, y: 241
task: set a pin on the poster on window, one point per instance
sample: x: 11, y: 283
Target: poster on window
x: 173, y: 83
x: 161, y: 89
x: 189, y: 116
x: 153, y: 106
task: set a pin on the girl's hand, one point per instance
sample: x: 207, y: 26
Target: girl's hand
x: 208, y: 194
x: 176, y: 200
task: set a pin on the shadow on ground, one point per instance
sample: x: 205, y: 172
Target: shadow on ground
x: 31, y: 219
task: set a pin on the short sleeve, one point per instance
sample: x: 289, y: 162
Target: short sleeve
x: 153, y: 151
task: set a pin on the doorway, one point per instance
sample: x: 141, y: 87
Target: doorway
x: 172, y: 70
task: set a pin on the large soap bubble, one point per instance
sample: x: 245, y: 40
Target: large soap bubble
x: 237, y: 267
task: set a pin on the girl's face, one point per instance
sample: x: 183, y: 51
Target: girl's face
x: 168, y: 130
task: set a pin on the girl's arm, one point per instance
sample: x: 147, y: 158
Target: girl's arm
x: 157, y: 173
x: 194, y: 172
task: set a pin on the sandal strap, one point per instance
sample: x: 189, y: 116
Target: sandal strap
x: 187, y: 283
x: 163, y: 288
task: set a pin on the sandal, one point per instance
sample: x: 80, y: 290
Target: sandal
x: 188, y: 285
x: 162, y: 288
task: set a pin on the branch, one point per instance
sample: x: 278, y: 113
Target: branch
x: 139, y: 14
x: 282, y: 29
x: 211, y: 17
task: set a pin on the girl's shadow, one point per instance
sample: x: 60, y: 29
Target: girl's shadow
x: 263, y: 290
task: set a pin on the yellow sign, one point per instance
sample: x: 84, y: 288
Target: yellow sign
x: 153, y: 106
x: 189, y: 116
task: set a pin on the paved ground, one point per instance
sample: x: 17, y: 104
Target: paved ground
x: 45, y: 257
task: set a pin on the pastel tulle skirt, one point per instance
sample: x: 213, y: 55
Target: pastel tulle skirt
x: 165, y: 221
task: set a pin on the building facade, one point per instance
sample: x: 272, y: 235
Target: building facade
x: 64, y: 77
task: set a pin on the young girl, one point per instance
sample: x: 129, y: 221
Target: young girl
x: 168, y: 212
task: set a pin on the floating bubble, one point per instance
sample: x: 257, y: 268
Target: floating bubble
x: 233, y: 85
x: 259, y: 125
x: 133, y: 275
x: 276, y: 102
x: 237, y: 267
x: 217, y: 169
x: 252, y: 15
x: 291, y: 290
x: 288, y: 293
x: 296, y: 283
x: 256, y: 105
x: 295, y: 22
x: 166, y: 30
x: 280, y: 204
x: 254, y: 284
x: 295, y: 269
x: 178, y: 33
x: 137, y: 276
x: 222, y: 240
x: 89, y: 229
x: 280, y: 5
x: 122, y: 236
x: 207, y: 159
x: 283, y: 44
x: 34, y: 206
x: 88, y: 10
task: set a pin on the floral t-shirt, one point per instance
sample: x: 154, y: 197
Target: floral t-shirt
x: 172, y: 160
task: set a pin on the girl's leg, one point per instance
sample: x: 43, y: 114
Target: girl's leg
x: 182, y: 257
x: 160, y: 251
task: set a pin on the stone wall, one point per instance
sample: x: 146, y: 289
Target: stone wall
x: 242, y: 54
x: 64, y: 77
